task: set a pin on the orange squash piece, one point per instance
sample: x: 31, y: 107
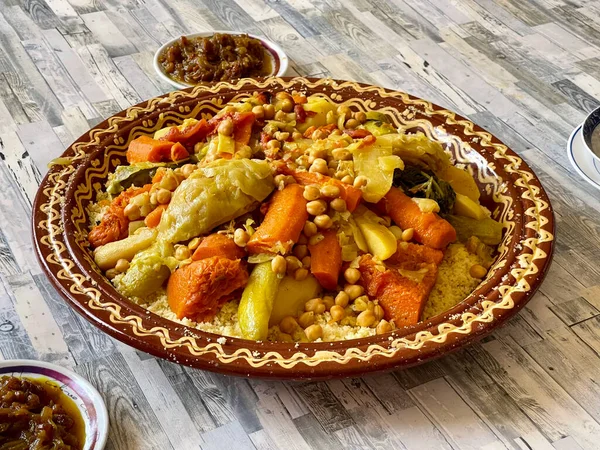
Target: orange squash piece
x: 218, y: 244
x: 146, y: 149
x: 326, y: 260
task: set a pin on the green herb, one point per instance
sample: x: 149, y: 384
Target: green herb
x: 418, y: 182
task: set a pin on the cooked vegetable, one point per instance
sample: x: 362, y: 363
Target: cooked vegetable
x: 114, y: 224
x: 153, y: 219
x: 316, y: 109
x: 381, y: 242
x: 418, y: 182
x: 199, y: 289
x: 134, y: 174
x: 350, y: 194
x: 218, y: 244
x: 378, y: 127
x: 146, y: 149
x: 188, y: 133
x: 429, y: 228
x: 417, y: 149
x: 377, y: 164
x: 282, y: 224
x: 487, y: 230
x: 401, y: 293
x: 257, y: 301
x: 326, y: 260
x: 178, y: 152
x: 461, y: 181
x: 106, y: 256
x: 464, y: 206
x: 291, y: 297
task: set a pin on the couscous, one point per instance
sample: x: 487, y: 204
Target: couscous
x: 293, y: 219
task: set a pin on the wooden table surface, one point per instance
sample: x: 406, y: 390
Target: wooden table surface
x: 528, y: 71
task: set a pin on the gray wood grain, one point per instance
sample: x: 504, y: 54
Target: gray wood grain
x: 528, y: 72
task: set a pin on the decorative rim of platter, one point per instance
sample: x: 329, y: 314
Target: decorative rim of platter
x: 60, y: 223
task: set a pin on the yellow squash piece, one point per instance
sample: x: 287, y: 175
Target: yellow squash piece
x: 291, y: 297
x: 461, y: 181
x: 464, y: 206
x: 380, y: 240
x: 257, y: 301
x: 106, y: 256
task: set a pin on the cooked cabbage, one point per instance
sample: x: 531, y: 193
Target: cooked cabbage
x: 377, y: 163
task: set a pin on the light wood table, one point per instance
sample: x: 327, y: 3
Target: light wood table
x: 528, y: 71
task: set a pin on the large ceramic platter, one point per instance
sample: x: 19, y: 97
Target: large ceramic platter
x: 509, y: 189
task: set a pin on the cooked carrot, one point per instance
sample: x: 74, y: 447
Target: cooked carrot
x: 153, y: 219
x: 218, y: 244
x: 349, y: 193
x: 409, y: 253
x: 145, y: 148
x: 283, y: 222
x: 191, y: 135
x: 199, y: 289
x: 242, y: 127
x: 114, y: 225
x: 430, y: 229
x: 300, y: 99
x: 178, y: 152
x: 401, y: 298
x: 326, y: 260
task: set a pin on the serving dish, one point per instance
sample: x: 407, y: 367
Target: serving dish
x: 279, y: 58
x: 590, y: 124
x: 509, y: 188
x: 87, y: 399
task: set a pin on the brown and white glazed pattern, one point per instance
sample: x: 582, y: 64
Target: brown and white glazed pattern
x: 509, y: 188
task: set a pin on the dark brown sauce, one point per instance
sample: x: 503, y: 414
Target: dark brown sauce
x: 36, y: 414
x: 219, y: 57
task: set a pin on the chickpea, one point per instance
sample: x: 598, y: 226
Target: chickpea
x: 378, y: 312
x: 240, y: 237
x: 310, y: 229
x: 314, y: 332
x: 365, y: 319
x: 408, y: 234
x: 188, y: 169
x: 300, y: 274
x: 330, y: 191
x: 285, y: 337
x: 287, y: 105
x: 169, y: 181
x: 163, y: 196
x: 293, y: 263
x: 194, y: 243
x: 111, y: 273
x: 342, y: 109
x: 314, y: 240
x: 281, y: 135
x: 352, y: 123
x: 302, y: 240
x: 396, y: 231
x: 318, y: 135
x: 342, y: 299
x: 280, y: 116
x: 306, y: 319
x: 319, y: 165
x: 274, y: 144
x: 226, y: 127
x: 315, y: 305
x: 312, y: 193
x: 323, y: 221
x: 269, y: 111
x: 306, y: 262
x: 288, y: 325
x: 316, y: 207
x: 302, y: 161
x: 328, y: 302
x: 352, y: 275
x: 383, y: 327
x: 122, y: 265
x: 153, y: 200
x: 282, y: 95
x: 296, y: 136
x: 337, y: 313
x: 477, y: 271
x: 360, y: 181
x: 259, y: 112
x: 300, y: 251
x: 338, y: 204
x: 278, y: 265
x: 132, y: 211
x: 182, y: 252
x: 353, y: 290
x: 360, y: 116
x: 348, y: 179
x: 341, y: 154
x: 361, y: 303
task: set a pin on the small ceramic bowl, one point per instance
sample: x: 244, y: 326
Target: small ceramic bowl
x: 84, y: 395
x: 592, y: 121
x: 280, y: 59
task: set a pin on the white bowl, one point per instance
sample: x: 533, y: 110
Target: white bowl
x: 275, y: 50
x: 84, y: 395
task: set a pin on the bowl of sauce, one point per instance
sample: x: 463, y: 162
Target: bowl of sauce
x: 591, y: 133
x: 47, y: 406
x: 218, y: 56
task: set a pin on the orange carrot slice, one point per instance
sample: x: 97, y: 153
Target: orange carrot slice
x: 145, y: 148
x: 282, y: 224
x: 153, y: 219
x: 326, y: 260
x: 430, y: 229
x: 218, y: 245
